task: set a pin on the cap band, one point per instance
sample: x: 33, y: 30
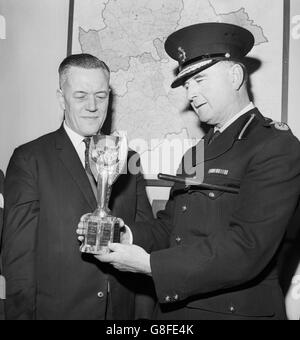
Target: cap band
x: 193, y: 67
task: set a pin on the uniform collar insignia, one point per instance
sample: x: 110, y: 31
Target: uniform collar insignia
x: 249, y: 121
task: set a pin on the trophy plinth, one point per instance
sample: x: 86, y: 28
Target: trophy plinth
x: 99, y: 232
x: 107, y: 156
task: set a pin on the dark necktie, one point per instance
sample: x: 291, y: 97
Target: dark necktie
x: 215, y: 135
x: 87, y: 142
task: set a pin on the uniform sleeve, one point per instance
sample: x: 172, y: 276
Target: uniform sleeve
x: 145, y: 293
x: 242, y: 249
x: 155, y: 234
x: 150, y: 233
x: 143, y: 207
x: 19, y: 236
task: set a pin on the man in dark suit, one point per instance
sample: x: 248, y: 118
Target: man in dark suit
x: 213, y: 252
x: 47, y: 190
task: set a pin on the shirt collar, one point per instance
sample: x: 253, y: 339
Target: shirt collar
x: 249, y: 107
x: 75, y: 138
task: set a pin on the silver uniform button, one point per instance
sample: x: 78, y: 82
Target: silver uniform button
x: 167, y: 299
x: 176, y: 297
x: 212, y: 195
x: 178, y: 240
x: 232, y: 309
x: 184, y: 208
x: 100, y: 295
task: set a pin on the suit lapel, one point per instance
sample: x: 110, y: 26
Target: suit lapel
x: 71, y: 161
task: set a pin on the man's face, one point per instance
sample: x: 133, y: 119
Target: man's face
x: 84, y: 98
x: 211, y: 94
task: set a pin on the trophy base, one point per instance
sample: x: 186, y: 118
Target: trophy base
x: 99, y: 232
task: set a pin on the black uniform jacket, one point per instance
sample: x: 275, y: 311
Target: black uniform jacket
x: 216, y: 251
x: 47, y: 191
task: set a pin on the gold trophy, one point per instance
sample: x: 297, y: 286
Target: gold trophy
x: 107, y: 158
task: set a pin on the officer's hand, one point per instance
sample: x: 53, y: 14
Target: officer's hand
x: 127, y: 258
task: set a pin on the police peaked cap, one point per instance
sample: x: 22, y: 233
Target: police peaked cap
x: 200, y: 46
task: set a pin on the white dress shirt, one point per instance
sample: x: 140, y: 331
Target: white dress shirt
x: 249, y: 107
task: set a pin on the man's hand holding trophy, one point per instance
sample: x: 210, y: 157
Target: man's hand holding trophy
x: 107, y: 159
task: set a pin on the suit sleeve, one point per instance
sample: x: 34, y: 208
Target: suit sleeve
x: 242, y: 249
x: 19, y: 236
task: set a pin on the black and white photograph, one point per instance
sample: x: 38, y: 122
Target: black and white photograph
x: 149, y: 162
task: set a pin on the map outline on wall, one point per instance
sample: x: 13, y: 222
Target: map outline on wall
x: 129, y: 36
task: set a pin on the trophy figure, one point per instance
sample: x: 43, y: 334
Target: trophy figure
x: 107, y: 158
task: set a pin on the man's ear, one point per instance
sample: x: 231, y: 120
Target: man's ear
x: 238, y: 74
x: 61, y: 99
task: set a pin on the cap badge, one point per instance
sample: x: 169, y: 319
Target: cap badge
x: 181, y: 54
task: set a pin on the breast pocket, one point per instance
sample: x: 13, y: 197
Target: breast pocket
x: 214, y: 186
x: 214, y: 204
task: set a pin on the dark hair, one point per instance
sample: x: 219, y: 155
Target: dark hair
x: 82, y: 60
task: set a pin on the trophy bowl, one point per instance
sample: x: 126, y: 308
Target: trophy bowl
x: 107, y: 159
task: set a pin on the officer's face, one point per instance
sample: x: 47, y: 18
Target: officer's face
x: 84, y: 98
x: 212, y: 94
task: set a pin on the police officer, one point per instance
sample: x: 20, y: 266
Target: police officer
x: 212, y: 253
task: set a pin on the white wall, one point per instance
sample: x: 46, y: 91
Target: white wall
x: 36, y: 42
